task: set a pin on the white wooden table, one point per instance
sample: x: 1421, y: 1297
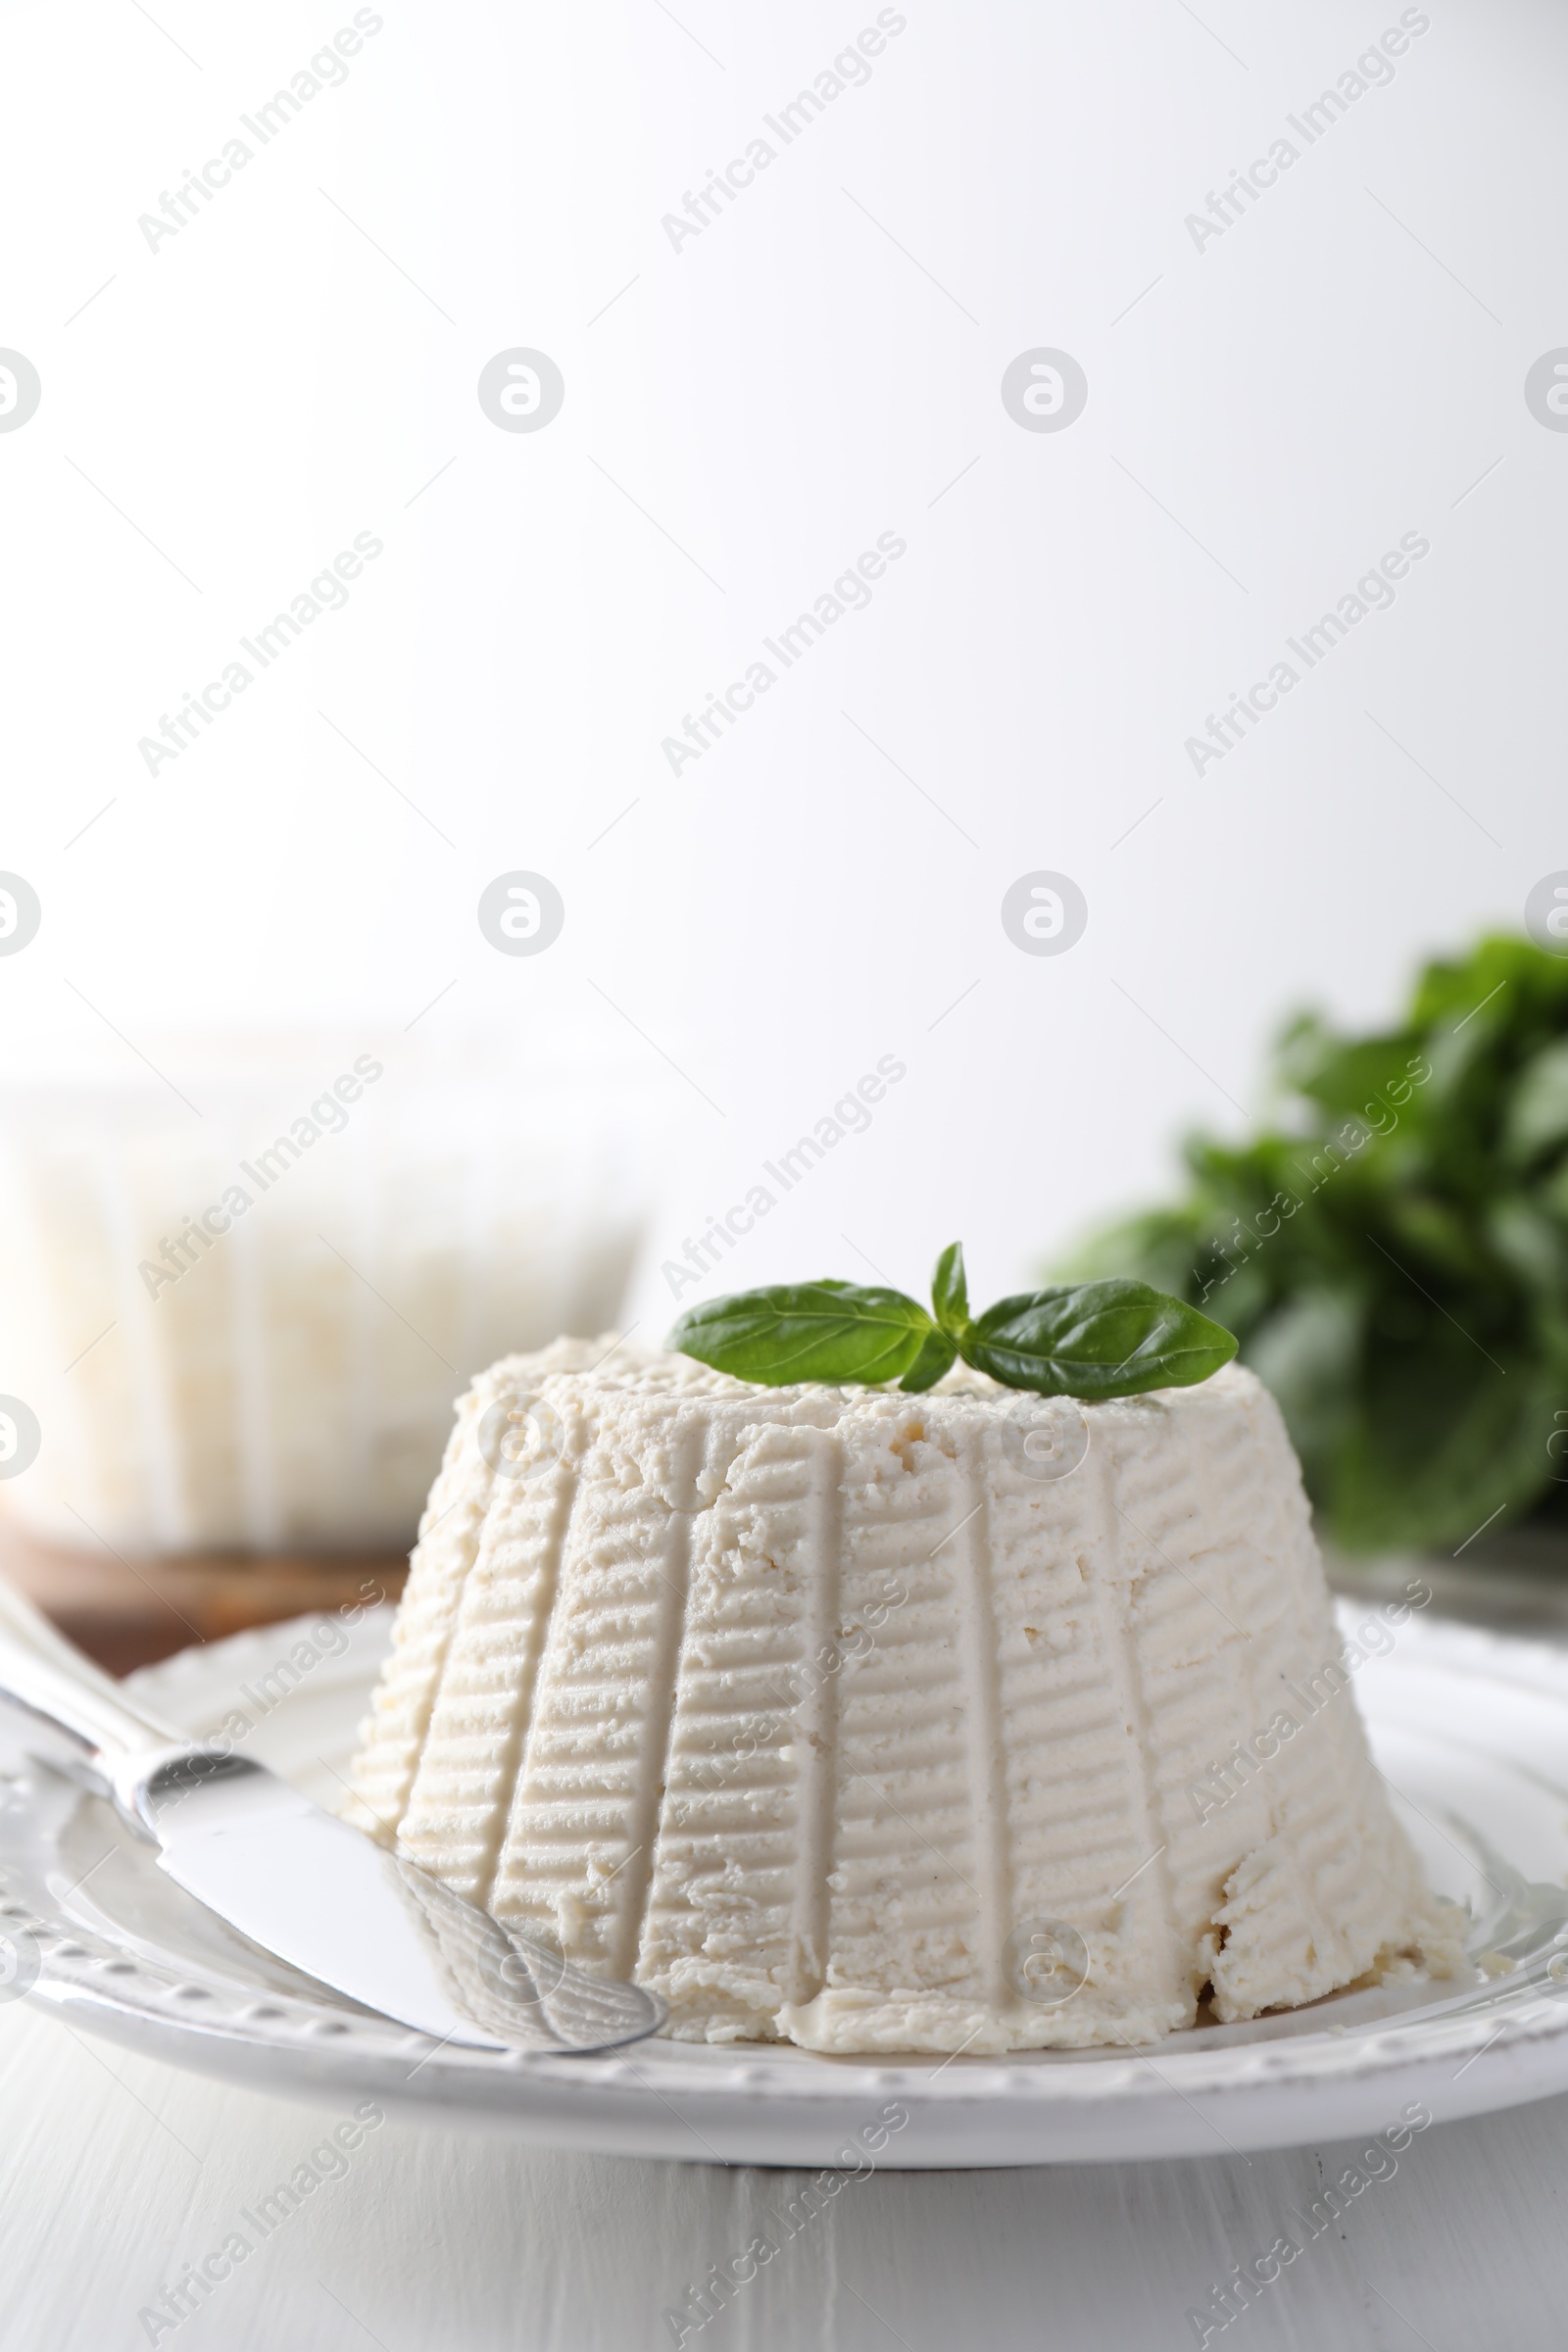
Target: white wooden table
x: 116, y: 2171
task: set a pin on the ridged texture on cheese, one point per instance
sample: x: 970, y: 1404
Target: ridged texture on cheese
x: 817, y: 1711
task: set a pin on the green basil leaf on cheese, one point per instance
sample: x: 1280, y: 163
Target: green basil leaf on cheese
x: 1115, y: 1338
x: 833, y: 1332
x: 934, y: 1358
x: 949, y: 1291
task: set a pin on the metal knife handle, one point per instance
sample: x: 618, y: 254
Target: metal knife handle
x: 74, y: 1713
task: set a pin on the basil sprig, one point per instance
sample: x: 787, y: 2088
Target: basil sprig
x: 1114, y: 1338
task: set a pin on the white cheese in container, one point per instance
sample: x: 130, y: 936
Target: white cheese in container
x: 241, y: 1298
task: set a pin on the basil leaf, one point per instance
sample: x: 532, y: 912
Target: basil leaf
x: 833, y: 1332
x: 1435, y: 1433
x: 949, y: 1291
x: 934, y: 1358
x: 1403, y: 1222
x: 1537, y: 1118
x: 1101, y: 1339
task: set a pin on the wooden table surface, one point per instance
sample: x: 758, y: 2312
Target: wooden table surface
x: 130, y: 1612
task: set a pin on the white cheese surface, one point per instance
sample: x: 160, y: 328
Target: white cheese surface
x: 825, y: 1714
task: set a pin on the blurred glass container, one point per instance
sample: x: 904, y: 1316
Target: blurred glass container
x: 241, y: 1296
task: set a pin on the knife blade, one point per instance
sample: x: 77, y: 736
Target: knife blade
x: 357, y: 1916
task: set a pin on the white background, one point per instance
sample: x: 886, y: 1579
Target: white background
x: 299, y: 362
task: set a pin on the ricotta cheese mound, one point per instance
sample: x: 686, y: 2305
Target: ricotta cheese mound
x: 879, y: 1723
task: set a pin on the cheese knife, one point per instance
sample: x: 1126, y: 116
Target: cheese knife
x: 357, y: 1916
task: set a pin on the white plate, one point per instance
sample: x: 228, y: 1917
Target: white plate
x: 1471, y: 1730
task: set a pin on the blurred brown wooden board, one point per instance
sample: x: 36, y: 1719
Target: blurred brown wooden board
x: 129, y: 1612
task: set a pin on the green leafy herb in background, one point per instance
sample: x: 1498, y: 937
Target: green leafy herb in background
x: 1111, y: 1338
x: 1394, y: 1253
